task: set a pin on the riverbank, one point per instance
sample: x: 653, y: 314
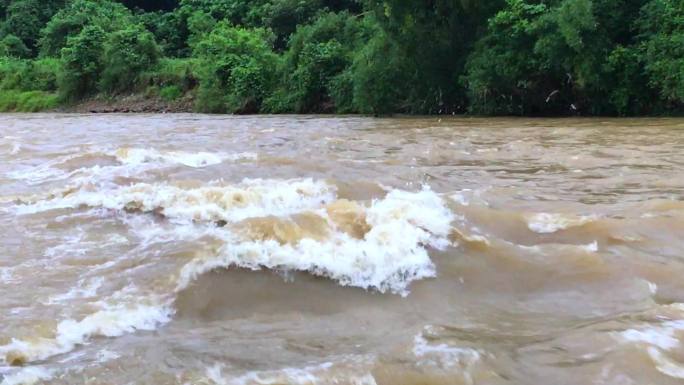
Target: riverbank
x: 134, y: 103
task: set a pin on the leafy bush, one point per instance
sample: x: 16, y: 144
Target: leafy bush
x: 317, y: 54
x: 79, y: 14
x: 662, y: 50
x: 27, y: 101
x: 380, y: 81
x: 179, y: 73
x: 566, y: 57
x: 236, y: 69
x: 170, y: 93
x: 25, y: 18
x: 126, y: 54
x: 82, y: 63
x: 28, y: 75
x: 12, y: 46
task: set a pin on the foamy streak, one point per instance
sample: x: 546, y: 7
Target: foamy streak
x: 325, y: 373
x: 190, y: 159
x: 546, y: 223
x: 662, y: 336
x: 112, y: 321
x: 442, y: 354
x: 660, y: 339
x: 251, y: 198
x: 666, y: 365
x: 391, y: 255
x: 132, y: 161
x: 27, y: 376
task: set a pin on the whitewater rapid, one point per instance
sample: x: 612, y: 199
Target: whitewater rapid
x: 306, y: 250
x: 288, y: 225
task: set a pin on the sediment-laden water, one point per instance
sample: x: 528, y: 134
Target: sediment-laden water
x: 192, y: 249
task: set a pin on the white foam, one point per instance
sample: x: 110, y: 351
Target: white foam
x: 251, y: 198
x: 137, y: 156
x: 6, y: 275
x: 85, y: 288
x: 105, y: 355
x: 27, y: 376
x: 546, y: 223
x: 662, y: 336
x: 591, y: 247
x: 16, y: 148
x: 133, y: 161
x: 666, y: 365
x: 324, y: 374
x: 443, y: 355
x: 114, y: 319
x: 390, y: 256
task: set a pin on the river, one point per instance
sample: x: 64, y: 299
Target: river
x: 196, y: 249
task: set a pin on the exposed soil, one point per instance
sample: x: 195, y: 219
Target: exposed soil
x: 135, y: 103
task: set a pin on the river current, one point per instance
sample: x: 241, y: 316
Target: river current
x: 195, y: 249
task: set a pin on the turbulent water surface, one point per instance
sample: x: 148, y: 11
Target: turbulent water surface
x: 194, y: 249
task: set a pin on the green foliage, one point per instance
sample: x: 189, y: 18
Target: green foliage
x: 498, y: 57
x: 127, y: 53
x: 236, y: 69
x: 150, y: 5
x: 170, y: 93
x: 662, y: 50
x: 12, y: 46
x: 317, y: 54
x: 179, y: 73
x: 566, y: 57
x: 82, y: 63
x: 28, y: 75
x: 170, y: 31
x: 79, y: 14
x: 283, y: 17
x: 433, y: 40
x: 27, y: 101
x: 25, y: 18
x: 381, y: 78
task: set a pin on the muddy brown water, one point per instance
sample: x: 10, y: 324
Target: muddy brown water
x: 192, y: 249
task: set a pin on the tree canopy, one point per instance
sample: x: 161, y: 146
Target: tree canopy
x: 493, y: 57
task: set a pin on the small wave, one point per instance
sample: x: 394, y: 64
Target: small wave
x: 327, y: 373
x: 546, y: 223
x: 661, y: 336
x: 104, y: 163
x: 389, y: 257
x: 28, y: 376
x: 443, y: 355
x: 113, y: 320
x: 137, y: 156
x: 660, y: 340
x: 666, y: 365
x: 251, y: 198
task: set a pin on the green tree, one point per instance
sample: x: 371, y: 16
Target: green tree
x: 82, y: 63
x: 25, y: 18
x: 12, y: 46
x: 236, y: 70
x: 317, y: 54
x: 435, y: 37
x: 69, y: 22
x: 126, y: 54
x: 565, y: 57
x: 661, y: 27
x: 381, y: 77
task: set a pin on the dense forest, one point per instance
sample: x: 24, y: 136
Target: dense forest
x: 490, y: 57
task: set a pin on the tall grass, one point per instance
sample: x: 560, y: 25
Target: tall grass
x: 27, y: 101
